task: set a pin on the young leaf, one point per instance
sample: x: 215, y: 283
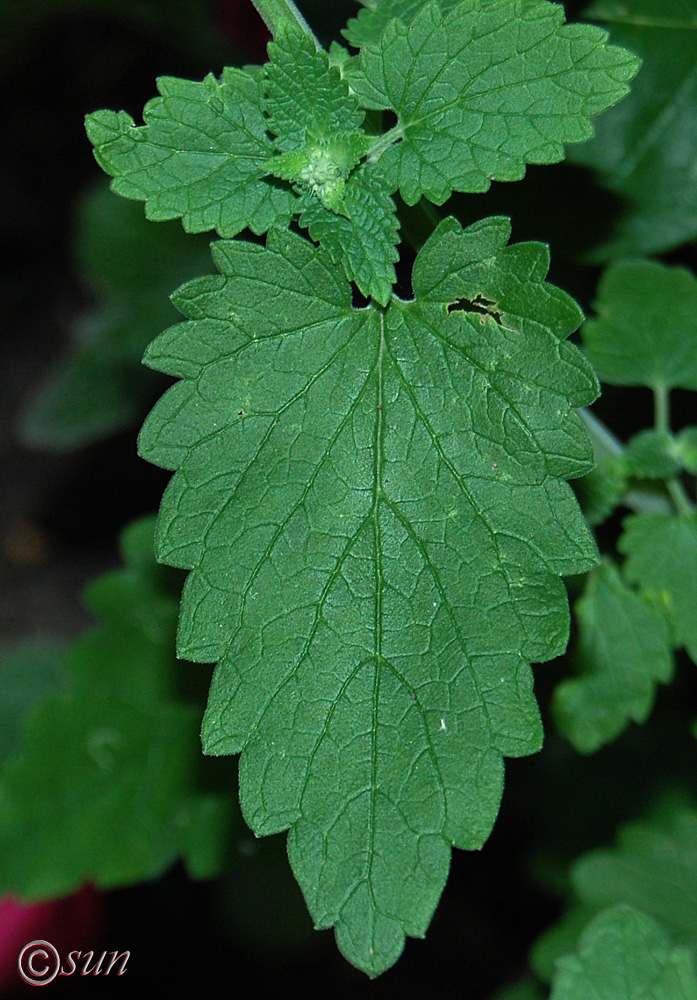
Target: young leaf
x: 485, y: 89
x: 662, y: 558
x: 646, y: 328
x: 372, y: 506
x: 102, y: 785
x: 624, y: 649
x: 624, y: 954
x: 200, y: 156
x: 317, y: 126
x: 363, y: 236
x: 646, y: 150
x: 29, y: 672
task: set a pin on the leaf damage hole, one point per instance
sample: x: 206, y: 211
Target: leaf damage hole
x: 479, y: 304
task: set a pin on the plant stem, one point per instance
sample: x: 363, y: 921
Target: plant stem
x: 661, y: 400
x: 675, y: 488
x: 274, y: 11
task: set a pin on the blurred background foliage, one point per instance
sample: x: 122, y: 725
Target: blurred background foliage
x: 84, y: 287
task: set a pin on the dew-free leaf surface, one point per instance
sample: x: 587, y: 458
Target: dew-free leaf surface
x: 623, y: 651
x: 200, y: 156
x: 645, y: 332
x: 484, y: 88
x: 373, y: 509
x: 653, y: 868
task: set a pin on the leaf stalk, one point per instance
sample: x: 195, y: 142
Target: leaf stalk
x: 272, y: 12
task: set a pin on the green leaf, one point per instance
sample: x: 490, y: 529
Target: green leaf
x: 200, y: 156
x: 29, y: 672
x: 103, y: 784
x: 483, y: 90
x: 645, y: 150
x: 624, y: 955
x: 368, y: 25
x: 652, y: 454
x: 601, y: 491
x: 624, y: 649
x: 653, y: 868
x: 662, y: 558
x: 305, y: 97
x: 370, y: 501
x: 317, y: 123
x: 645, y: 332
x: 686, y: 447
x: 364, y: 236
x: 99, y: 386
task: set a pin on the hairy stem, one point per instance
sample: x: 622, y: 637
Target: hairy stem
x: 274, y: 11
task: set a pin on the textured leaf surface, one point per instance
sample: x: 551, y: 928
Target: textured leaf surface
x: 317, y: 123
x: 653, y: 868
x: 103, y: 784
x: 372, y: 505
x: 624, y: 649
x: 305, y: 97
x: 200, y: 155
x: 624, y: 955
x: 485, y: 89
x: 364, y: 236
x: 662, y: 558
x: 645, y: 150
x: 100, y: 386
x: 645, y: 332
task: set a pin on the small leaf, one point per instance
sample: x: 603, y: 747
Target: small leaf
x: 623, y: 650
x: 484, y: 89
x: 199, y: 157
x: 372, y: 506
x: 306, y: 99
x: 662, y: 558
x: 645, y: 332
x: 363, y: 236
x: 624, y: 955
x: 102, y: 786
x: 652, y: 454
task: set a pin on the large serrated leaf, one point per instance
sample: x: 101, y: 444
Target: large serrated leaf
x: 372, y: 505
x: 485, y: 89
x: 200, y: 155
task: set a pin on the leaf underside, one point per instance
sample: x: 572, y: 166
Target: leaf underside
x: 373, y: 509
